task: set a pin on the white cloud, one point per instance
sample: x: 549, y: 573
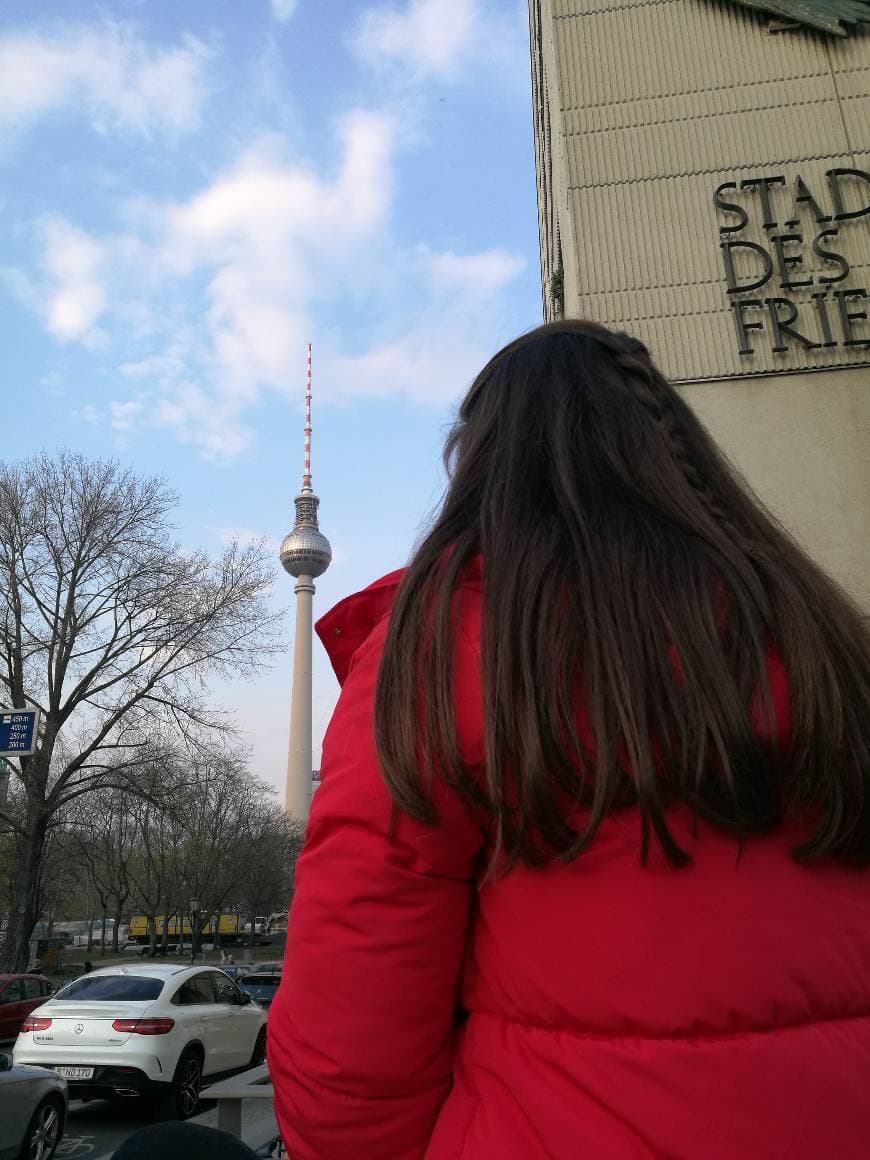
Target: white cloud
x: 264, y: 201
x: 452, y: 332
x: 164, y: 367
x: 282, y: 10
x: 246, y: 538
x: 426, y: 37
x: 212, y: 424
x: 73, y: 296
x: 227, y: 285
x: 107, y: 71
x: 125, y: 415
x: 478, y: 276
x: 54, y: 382
x: 270, y: 236
x: 425, y: 44
x: 425, y: 363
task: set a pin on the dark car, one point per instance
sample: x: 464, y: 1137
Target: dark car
x: 270, y: 968
x: 19, y: 995
x: 261, y: 985
x: 236, y: 971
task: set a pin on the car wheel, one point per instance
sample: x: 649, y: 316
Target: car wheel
x: 259, y: 1053
x: 183, y: 1098
x: 44, y: 1131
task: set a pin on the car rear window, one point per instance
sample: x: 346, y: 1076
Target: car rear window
x: 260, y: 980
x: 130, y: 988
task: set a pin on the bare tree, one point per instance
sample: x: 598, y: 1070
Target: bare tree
x: 267, y: 884
x: 297, y: 841
x: 111, y: 629
x: 216, y: 811
x: 153, y: 867
x: 101, y: 840
x: 60, y: 875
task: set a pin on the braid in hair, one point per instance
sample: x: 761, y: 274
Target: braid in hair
x: 659, y: 399
x: 744, y: 553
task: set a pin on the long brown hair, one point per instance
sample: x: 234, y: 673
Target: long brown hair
x: 622, y: 558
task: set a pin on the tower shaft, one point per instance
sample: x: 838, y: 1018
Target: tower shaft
x: 297, y: 794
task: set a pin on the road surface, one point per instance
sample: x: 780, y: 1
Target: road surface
x: 94, y: 1130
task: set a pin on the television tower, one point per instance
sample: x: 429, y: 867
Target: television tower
x: 305, y: 553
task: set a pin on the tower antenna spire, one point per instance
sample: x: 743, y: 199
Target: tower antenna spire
x: 305, y: 553
x: 306, y: 473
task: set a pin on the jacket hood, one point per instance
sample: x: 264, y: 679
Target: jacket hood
x: 348, y: 624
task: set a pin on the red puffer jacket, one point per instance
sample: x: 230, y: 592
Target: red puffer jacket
x: 600, y: 1010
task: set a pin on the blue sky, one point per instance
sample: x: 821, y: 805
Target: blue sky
x: 191, y: 192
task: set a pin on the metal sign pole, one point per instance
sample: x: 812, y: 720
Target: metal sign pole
x: 5, y: 778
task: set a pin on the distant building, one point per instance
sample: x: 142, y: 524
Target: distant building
x: 704, y: 183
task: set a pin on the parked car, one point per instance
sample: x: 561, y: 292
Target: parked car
x: 33, y: 1107
x: 236, y: 971
x: 145, y: 1032
x: 19, y: 995
x: 269, y: 968
x: 262, y: 986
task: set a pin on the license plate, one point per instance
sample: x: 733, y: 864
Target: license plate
x: 75, y: 1072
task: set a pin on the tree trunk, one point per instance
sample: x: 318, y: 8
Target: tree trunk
x: 121, y: 900
x: 117, y: 926
x: 152, y: 934
x: 23, y: 911
x: 103, y: 931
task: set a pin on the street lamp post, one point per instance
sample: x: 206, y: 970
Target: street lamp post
x: 194, y: 909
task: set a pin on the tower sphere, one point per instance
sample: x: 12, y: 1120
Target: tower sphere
x: 305, y: 552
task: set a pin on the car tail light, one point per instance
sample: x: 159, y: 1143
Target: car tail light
x: 36, y: 1023
x: 144, y: 1026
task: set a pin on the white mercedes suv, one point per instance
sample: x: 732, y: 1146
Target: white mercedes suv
x: 145, y: 1032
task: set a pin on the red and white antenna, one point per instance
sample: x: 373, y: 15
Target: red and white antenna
x: 306, y: 474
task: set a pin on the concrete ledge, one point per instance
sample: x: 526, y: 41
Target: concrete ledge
x: 255, y: 1084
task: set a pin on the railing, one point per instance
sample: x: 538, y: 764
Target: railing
x: 229, y: 1093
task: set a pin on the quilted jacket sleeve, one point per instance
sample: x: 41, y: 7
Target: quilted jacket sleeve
x: 361, y: 1032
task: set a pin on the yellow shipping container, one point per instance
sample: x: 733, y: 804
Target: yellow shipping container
x: 229, y: 926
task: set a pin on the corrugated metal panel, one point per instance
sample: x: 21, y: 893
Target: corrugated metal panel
x: 696, y: 145
x: 657, y: 110
x: 659, y: 101
x: 856, y: 116
x: 680, y: 46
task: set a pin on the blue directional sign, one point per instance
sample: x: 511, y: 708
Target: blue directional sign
x: 19, y: 729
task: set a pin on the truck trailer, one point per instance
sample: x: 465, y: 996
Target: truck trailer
x: 179, y: 928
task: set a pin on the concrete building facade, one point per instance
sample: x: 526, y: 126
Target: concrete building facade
x: 704, y: 183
